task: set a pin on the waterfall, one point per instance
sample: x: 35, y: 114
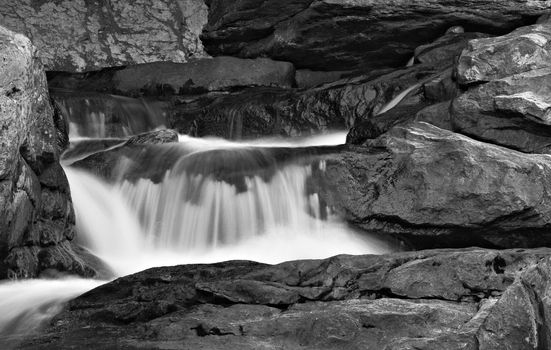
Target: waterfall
x: 218, y: 200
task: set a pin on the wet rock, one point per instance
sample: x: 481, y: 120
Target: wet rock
x: 436, y: 188
x: 331, y: 34
x: 423, y: 300
x: 408, y: 106
x: 98, y: 34
x: 36, y: 217
x: 110, y: 162
x: 289, y: 112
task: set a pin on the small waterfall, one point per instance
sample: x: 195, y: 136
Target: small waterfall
x: 218, y: 201
x: 101, y: 115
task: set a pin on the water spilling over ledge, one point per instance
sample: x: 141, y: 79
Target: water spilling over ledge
x: 210, y: 200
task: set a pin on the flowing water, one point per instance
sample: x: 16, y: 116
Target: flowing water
x: 216, y: 200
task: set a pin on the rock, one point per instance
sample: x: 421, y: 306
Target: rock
x: 166, y: 78
x: 506, y: 87
x: 437, y: 115
x: 446, y: 48
x: 307, y: 78
x: 452, y: 299
x: 509, y: 103
x: 408, y: 105
x: 36, y: 213
x: 153, y: 138
x: 512, y: 112
x: 524, y: 49
x: 98, y: 34
x: 83, y: 148
x: 111, y: 162
x: 435, y: 188
x: 331, y: 35
x: 101, y: 115
x: 255, y: 112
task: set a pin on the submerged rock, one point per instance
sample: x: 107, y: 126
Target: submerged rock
x: 453, y: 299
x: 36, y: 213
x: 436, y: 188
x: 108, y: 163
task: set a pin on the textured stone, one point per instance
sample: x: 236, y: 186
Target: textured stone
x: 439, y: 299
x: 433, y: 187
x: 166, y: 78
x: 349, y: 34
x: 78, y: 35
x: 525, y: 49
x: 36, y: 218
x: 511, y: 111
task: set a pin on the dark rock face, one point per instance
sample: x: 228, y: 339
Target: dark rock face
x: 343, y: 35
x: 36, y: 213
x: 167, y: 78
x: 99, y: 34
x: 255, y: 112
x: 452, y: 299
x: 436, y: 188
x: 510, y: 106
x: 416, y: 104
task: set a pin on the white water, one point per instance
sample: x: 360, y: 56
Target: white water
x: 195, y: 218
x: 191, y: 217
x: 25, y: 305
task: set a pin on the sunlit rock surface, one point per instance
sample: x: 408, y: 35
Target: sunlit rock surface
x: 87, y: 35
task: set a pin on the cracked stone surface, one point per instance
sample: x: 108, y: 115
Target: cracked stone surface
x: 78, y: 35
x: 453, y: 299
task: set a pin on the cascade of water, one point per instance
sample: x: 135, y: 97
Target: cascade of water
x: 219, y: 201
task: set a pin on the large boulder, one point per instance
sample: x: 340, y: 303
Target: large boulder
x: 36, y: 213
x: 524, y: 49
x: 86, y: 35
x: 433, y: 187
x: 509, y: 104
x: 345, y: 34
x: 439, y: 299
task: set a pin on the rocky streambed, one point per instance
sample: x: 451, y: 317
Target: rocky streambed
x: 446, y: 108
